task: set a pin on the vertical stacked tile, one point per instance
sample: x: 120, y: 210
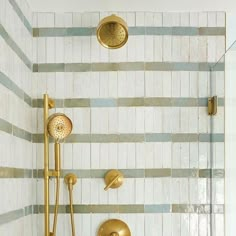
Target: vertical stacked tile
x: 16, y: 161
x: 141, y: 109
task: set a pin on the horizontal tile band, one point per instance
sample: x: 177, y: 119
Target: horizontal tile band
x: 136, y: 138
x: 11, y: 43
x: 127, y: 66
x: 138, y: 30
x: 128, y: 209
x: 15, y: 215
x: 9, y: 128
x: 10, y: 172
x: 14, y: 88
x: 138, y: 208
x: 142, y: 173
x: 129, y: 102
x: 21, y: 16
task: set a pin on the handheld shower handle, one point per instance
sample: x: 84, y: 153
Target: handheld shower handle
x: 57, y: 157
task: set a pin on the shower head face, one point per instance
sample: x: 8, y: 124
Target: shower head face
x: 112, y: 32
x: 59, y: 126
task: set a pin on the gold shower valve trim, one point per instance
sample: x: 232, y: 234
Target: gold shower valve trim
x: 113, y: 179
x: 114, y: 227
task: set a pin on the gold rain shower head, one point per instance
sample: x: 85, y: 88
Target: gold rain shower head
x: 112, y: 32
x: 59, y: 126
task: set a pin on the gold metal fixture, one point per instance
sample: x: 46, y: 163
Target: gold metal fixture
x: 212, y: 106
x: 58, y: 126
x: 114, y: 227
x: 113, y: 179
x: 70, y: 180
x: 112, y: 32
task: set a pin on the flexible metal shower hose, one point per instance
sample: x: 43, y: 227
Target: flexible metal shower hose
x: 70, y: 188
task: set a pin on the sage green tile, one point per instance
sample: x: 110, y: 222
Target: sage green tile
x: 103, y: 102
x: 158, y: 137
x: 80, y: 209
x: 104, y: 138
x: 51, y: 67
x: 11, y: 216
x: 37, y: 138
x: 159, y: 208
x: 21, y: 16
x: 105, y: 66
x: 158, y: 102
x: 77, y: 67
x: 133, y: 173
x: 52, y: 32
x: 128, y: 102
x: 184, y: 102
x: 5, y: 126
x: 81, y: 31
x: 105, y: 208
x: 211, y: 137
x: 165, y: 172
x: 131, y: 208
x: 78, y: 138
x: 77, y: 102
x: 28, y: 99
x: 184, y: 137
x: 212, y: 31
x: 184, y: 173
x: 123, y: 138
x: 137, y: 30
x: 131, y: 66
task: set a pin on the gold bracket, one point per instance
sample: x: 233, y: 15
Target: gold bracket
x: 212, y: 106
x: 53, y: 173
x: 113, y: 179
x: 51, y: 103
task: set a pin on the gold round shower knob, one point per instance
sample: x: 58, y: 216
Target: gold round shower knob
x: 114, y: 227
x: 112, y: 32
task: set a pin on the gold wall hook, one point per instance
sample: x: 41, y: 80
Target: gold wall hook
x: 212, y: 106
x: 114, y: 227
x: 113, y: 179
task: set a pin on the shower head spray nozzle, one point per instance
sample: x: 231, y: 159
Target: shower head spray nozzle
x: 59, y: 126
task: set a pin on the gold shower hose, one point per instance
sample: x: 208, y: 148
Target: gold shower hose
x: 70, y: 180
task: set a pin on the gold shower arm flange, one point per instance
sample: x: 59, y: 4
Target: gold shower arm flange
x: 51, y: 103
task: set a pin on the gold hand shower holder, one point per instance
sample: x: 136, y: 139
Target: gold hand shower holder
x: 57, y: 126
x: 70, y: 180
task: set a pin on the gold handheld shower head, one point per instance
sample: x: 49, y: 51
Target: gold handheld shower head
x: 59, y: 126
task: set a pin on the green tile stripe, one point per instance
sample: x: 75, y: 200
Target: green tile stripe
x: 106, y: 102
x: 137, y: 208
x: 9, y: 128
x: 136, y: 138
x: 21, y: 15
x: 14, y: 88
x: 139, y: 30
x: 129, y: 102
x: 127, y: 66
x: 11, y: 43
x: 15, y: 215
x: 142, y: 173
x: 9, y: 172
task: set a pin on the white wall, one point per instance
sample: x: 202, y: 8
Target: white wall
x: 132, y: 5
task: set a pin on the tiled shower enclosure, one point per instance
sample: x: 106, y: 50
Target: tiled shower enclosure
x: 141, y: 109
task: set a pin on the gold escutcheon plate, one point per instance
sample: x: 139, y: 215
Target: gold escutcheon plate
x: 114, y: 227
